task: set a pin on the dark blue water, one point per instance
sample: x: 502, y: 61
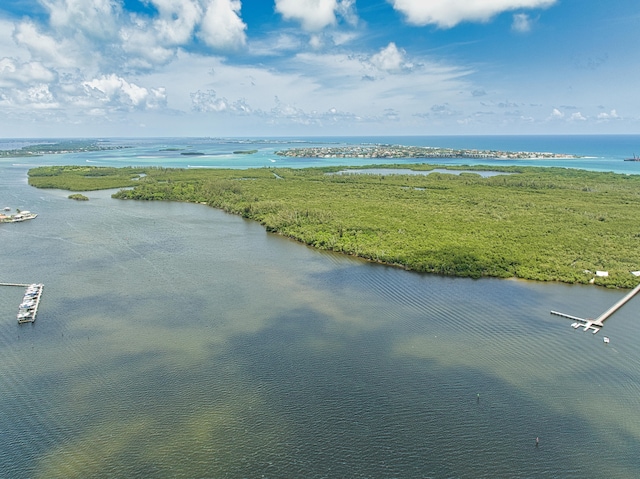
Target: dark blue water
x: 176, y: 341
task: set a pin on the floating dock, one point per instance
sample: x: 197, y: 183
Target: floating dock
x: 596, y: 324
x: 29, y: 307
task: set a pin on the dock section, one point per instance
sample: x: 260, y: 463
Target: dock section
x: 596, y: 324
x: 29, y: 307
x: 604, y: 316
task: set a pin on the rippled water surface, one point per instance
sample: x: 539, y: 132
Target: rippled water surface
x: 176, y: 341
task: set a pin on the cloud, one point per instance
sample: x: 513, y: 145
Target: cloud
x: 449, y: 13
x: 208, y: 101
x: 15, y: 74
x: 347, y: 10
x: 45, y: 48
x: 577, y: 116
x: 176, y: 20
x: 116, y: 92
x: 507, y: 104
x: 275, y: 44
x: 389, y: 58
x: 94, y: 18
x: 222, y: 26
x: 314, y: 15
x: 521, y: 23
x: 443, y: 110
x: 612, y: 115
x: 556, y: 114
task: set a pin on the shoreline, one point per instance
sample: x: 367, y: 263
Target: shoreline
x: 510, y: 225
x: 415, y: 152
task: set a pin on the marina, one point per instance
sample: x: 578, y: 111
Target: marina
x: 29, y: 306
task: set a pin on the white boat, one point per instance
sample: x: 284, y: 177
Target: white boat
x: 606, y: 339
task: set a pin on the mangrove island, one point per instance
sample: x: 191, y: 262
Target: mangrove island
x: 545, y: 224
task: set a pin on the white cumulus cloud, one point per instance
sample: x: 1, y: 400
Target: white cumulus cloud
x: 448, y: 13
x: 45, y: 48
x: 222, y: 26
x: 389, y: 58
x: 115, y: 91
x: 612, y: 115
x: 95, y: 18
x: 13, y: 73
x: 556, y: 114
x: 314, y: 15
x: 177, y: 20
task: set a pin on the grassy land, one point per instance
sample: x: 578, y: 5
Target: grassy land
x: 547, y: 224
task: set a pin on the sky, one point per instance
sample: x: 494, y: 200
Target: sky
x: 154, y: 68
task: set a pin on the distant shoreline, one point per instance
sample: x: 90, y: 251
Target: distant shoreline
x: 400, y: 151
x: 57, y: 148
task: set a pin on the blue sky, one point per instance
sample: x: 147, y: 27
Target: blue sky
x: 318, y: 67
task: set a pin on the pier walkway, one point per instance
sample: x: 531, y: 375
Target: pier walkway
x: 596, y: 324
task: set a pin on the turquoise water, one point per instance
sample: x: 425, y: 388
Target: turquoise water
x: 176, y: 341
x: 598, y: 153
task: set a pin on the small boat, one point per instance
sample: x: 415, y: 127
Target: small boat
x: 6, y: 208
x: 605, y: 340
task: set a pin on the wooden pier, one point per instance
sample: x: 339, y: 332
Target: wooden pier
x: 596, y: 324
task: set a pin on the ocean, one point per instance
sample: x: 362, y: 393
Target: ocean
x: 176, y: 341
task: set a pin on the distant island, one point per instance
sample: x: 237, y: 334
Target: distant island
x: 78, y: 197
x: 400, y: 151
x: 245, y: 152
x: 537, y: 223
x: 58, y: 147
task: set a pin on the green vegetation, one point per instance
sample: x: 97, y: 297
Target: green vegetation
x: 546, y: 224
x: 57, y: 147
x: 78, y: 197
x: 84, y: 178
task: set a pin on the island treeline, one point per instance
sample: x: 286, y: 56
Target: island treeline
x: 546, y: 224
x: 57, y: 147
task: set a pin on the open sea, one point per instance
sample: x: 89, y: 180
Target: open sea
x: 176, y: 341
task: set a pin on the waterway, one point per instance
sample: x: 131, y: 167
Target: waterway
x: 176, y: 341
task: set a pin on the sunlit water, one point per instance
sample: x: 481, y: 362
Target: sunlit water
x: 176, y: 341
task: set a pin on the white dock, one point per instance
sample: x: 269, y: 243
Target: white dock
x: 29, y: 307
x: 604, y: 316
x: 596, y: 324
